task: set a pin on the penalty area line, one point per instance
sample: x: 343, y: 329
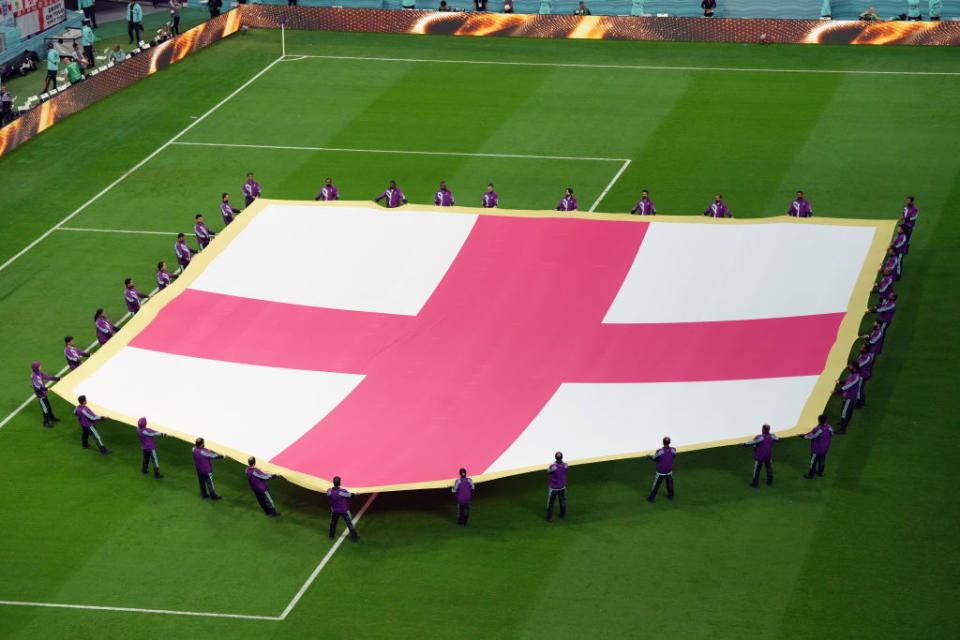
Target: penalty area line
x: 169, y: 612
x: 626, y: 164
x: 151, y: 233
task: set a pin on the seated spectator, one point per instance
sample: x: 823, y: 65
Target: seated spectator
x: 481, y: 5
x: 708, y: 7
x: 79, y: 57
x: 444, y: 6
x: 582, y: 10
x: 508, y: 6
x: 869, y: 15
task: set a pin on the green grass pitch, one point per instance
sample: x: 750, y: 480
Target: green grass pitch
x: 869, y: 551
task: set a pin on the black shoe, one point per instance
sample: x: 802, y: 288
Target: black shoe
x: 354, y: 538
x: 669, y: 496
x: 143, y: 471
x: 204, y: 496
x: 842, y: 431
x: 331, y: 537
x: 755, y: 484
x: 808, y: 476
x: 55, y: 419
x: 214, y: 496
x: 820, y: 473
x: 157, y: 475
x: 651, y: 499
x: 105, y: 451
x: 563, y: 516
x: 48, y: 425
x: 769, y: 481
x: 273, y: 515
x: 85, y: 446
x: 548, y: 519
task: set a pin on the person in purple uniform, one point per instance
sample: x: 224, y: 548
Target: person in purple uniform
x: 908, y: 217
x: 901, y: 244
x: 393, y: 196
x: 328, y: 192
x: 664, y: 459
x: 258, y: 484
x: 339, y: 508
x: 819, y: 439
x: 463, y: 488
x: 762, y: 454
x: 251, y: 190
x: 885, y: 310
x: 184, y: 252
x: 864, y: 362
x: 226, y: 209
x: 73, y: 354
x: 874, y: 339
x: 893, y: 263
x: 164, y: 277
x: 202, y: 233
x: 104, y: 327
x: 201, y: 460
x: 885, y: 287
x: 644, y: 205
x: 148, y: 443
x: 800, y: 207
x: 490, y: 199
x: 718, y: 208
x: 88, y: 420
x: 132, y: 297
x: 849, y: 390
x: 443, y: 197
x: 38, y: 379
x: 567, y: 202
x: 558, y: 486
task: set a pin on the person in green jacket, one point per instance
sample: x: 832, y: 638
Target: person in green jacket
x: 73, y: 70
x: 135, y: 20
x: 582, y: 10
x: 53, y: 65
x: 87, y: 7
x: 88, y: 40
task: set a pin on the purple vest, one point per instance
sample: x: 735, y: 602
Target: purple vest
x: 39, y: 388
x: 800, y: 208
x: 163, y: 279
x: 875, y: 341
x: 203, y: 234
x: 258, y: 484
x: 105, y: 329
x: 886, y: 310
x: 901, y: 244
x: 885, y: 286
x: 664, y: 457
x: 73, y: 357
x: 202, y: 458
x: 764, y: 449
x: 820, y: 439
x: 850, y: 388
x: 718, y: 210
x: 865, y: 362
x: 644, y: 207
x: 393, y: 196
x: 251, y: 190
x: 463, y: 487
x: 490, y: 199
x: 132, y: 297
x: 226, y: 210
x: 183, y: 253
x: 85, y: 416
x: 147, y: 438
x: 443, y: 198
x: 558, y: 475
x: 338, y: 499
x: 909, y: 216
x: 567, y: 203
x: 328, y: 193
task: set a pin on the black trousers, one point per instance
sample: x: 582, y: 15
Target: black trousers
x: 6, y: 114
x: 89, y: 55
x: 334, y: 517
x: 85, y: 437
x: 133, y: 28
x: 817, y: 462
x: 206, y: 484
x: 147, y: 457
x: 757, y: 464
x: 175, y: 27
x: 862, y: 396
x: 846, y: 412
x: 214, y: 13
x: 266, y: 502
x: 90, y: 15
x: 51, y: 77
x: 463, y: 512
x: 47, y: 410
x: 556, y: 494
x: 656, y: 485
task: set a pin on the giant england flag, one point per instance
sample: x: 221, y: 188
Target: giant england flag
x: 392, y: 347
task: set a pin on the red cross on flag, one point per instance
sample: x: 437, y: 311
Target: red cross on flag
x: 392, y: 347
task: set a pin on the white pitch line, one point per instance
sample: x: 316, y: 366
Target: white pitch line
x: 152, y: 233
x: 136, y: 610
x: 326, y: 559
x: 639, y: 67
x: 404, y: 151
x: 137, y: 166
x: 610, y: 186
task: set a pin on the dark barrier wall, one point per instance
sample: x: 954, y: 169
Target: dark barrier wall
x: 468, y: 24
x: 106, y: 82
x: 604, y: 27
